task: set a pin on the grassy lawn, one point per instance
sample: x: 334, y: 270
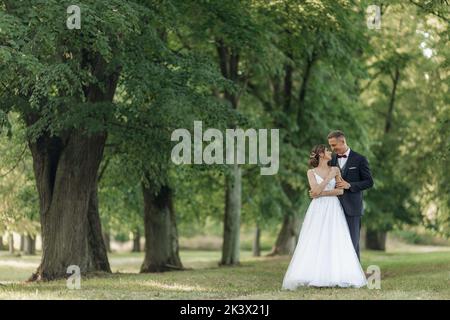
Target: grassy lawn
x: 404, y: 275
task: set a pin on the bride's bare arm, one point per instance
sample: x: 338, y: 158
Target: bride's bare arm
x: 334, y: 192
x: 317, y: 188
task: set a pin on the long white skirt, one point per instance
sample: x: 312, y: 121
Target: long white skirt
x: 324, y: 255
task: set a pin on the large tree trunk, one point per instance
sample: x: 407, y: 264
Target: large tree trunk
x: 287, y: 237
x: 232, y: 219
x: 66, y: 175
x: 136, y: 241
x: 66, y: 168
x: 11, y: 243
x: 29, y: 245
x: 257, y: 242
x: 2, y: 246
x: 376, y: 240
x: 161, y: 235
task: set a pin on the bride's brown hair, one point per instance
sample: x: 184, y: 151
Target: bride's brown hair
x: 314, y: 156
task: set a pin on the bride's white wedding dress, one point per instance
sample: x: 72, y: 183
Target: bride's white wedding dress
x: 324, y: 255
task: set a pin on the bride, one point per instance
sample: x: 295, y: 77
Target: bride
x: 324, y: 255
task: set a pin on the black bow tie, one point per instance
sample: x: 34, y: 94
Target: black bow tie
x: 341, y: 156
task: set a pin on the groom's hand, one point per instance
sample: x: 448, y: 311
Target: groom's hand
x: 342, y: 184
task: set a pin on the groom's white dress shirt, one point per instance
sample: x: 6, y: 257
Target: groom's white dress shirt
x: 343, y: 161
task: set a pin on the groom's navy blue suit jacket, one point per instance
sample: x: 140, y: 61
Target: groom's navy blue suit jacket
x: 356, y: 172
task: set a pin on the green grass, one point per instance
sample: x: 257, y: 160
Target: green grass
x: 404, y: 276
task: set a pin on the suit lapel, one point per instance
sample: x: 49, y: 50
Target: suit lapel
x: 347, y: 164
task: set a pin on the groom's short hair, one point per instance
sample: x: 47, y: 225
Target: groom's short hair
x: 336, y: 134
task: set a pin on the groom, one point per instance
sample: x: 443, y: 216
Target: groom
x: 356, y: 177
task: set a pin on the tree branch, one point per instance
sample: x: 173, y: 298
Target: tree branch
x: 16, y: 164
x: 437, y: 14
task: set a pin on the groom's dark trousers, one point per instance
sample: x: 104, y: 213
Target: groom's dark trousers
x: 356, y: 172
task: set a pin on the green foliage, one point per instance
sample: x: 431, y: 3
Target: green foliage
x: 408, y: 141
x: 19, y: 206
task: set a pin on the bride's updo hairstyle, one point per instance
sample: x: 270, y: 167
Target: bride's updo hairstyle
x: 314, y: 156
